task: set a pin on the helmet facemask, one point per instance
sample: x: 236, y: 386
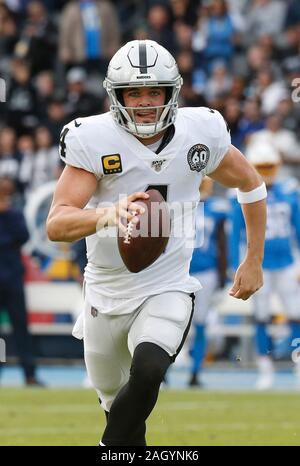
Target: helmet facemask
x: 125, y: 116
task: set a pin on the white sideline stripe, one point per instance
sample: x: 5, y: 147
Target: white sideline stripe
x: 186, y: 405
x: 75, y: 409
x: 54, y: 409
x: 8, y: 431
x: 234, y: 426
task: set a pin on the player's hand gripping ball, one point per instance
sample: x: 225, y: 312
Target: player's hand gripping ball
x: 144, y: 241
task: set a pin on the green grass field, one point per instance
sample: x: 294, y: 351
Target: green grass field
x: 72, y: 417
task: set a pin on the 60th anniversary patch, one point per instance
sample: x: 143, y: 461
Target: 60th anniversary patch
x: 198, y: 157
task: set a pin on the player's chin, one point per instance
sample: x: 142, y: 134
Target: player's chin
x: 144, y: 121
x: 150, y: 117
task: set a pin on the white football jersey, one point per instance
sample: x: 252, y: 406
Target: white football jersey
x: 123, y: 165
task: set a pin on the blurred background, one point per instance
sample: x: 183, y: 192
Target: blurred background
x: 241, y: 57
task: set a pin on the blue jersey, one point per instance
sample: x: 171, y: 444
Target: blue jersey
x: 208, y: 220
x: 283, y: 226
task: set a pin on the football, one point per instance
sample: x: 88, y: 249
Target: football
x: 145, y: 241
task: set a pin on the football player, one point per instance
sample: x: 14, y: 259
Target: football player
x: 280, y: 276
x: 134, y: 325
x: 208, y: 265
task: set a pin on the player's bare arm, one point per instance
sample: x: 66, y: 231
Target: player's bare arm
x: 68, y: 220
x: 235, y: 172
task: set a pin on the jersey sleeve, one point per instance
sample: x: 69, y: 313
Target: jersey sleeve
x: 72, y: 151
x: 221, y: 141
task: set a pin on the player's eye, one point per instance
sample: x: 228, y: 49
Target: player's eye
x: 133, y: 94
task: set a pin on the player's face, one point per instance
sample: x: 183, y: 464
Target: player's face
x: 268, y: 172
x: 144, y: 97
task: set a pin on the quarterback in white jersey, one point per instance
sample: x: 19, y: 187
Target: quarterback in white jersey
x: 133, y: 167
x: 135, y: 324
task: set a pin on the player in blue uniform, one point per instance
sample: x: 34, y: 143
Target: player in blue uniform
x: 208, y: 265
x: 280, y: 276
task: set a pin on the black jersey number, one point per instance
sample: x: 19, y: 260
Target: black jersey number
x: 162, y: 188
x: 62, y: 143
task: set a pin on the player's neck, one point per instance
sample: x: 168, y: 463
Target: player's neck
x: 152, y: 140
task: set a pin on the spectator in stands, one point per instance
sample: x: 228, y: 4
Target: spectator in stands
x: 13, y: 234
x: 219, y: 83
x: 189, y: 96
x: 183, y: 11
x: 216, y: 36
x: 26, y: 148
x: 256, y: 60
x: 9, y: 156
x: 79, y: 102
x: 289, y: 115
x: 89, y: 33
x: 192, y: 91
x: 56, y: 116
x: 21, y: 110
x: 47, y: 166
x: 38, y: 39
x: 183, y: 36
x: 251, y: 121
x: 288, y: 45
x: 160, y: 26
x: 265, y: 17
x: 232, y: 115
x: 269, y: 89
x: 237, y: 90
x: 293, y: 13
x: 45, y: 88
x: 8, y: 33
x: 40, y: 161
x: 284, y: 140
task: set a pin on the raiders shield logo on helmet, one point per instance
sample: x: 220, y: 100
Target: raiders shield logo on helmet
x: 198, y: 157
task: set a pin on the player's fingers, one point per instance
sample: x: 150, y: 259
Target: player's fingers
x: 137, y: 195
x: 243, y: 293
x: 123, y: 213
x: 237, y: 294
x: 128, y: 216
x: 133, y: 207
x: 240, y: 295
x: 235, y: 287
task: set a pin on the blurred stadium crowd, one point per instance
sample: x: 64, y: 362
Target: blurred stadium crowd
x: 238, y: 56
x: 241, y: 57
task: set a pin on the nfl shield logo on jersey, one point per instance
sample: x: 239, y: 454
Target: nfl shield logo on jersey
x: 94, y: 311
x: 198, y: 157
x: 157, y: 165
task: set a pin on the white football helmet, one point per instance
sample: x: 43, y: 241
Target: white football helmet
x: 143, y: 63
